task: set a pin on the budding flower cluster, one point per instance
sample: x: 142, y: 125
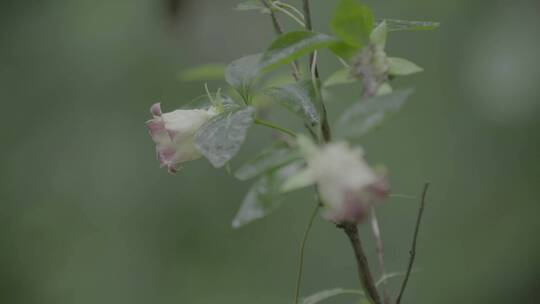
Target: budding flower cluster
x: 174, y: 134
x: 348, y: 186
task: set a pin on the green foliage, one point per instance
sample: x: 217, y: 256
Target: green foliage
x: 292, y: 45
x: 210, y: 71
x: 220, y: 139
x: 297, y: 98
x: 327, y: 294
x: 264, y: 196
x: 352, y: 23
x: 379, y: 35
x: 273, y: 157
x: 339, y: 77
x: 285, y: 166
x: 241, y: 74
x: 402, y: 67
x: 366, y: 115
x: 343, y: 50
x: 303, y: 178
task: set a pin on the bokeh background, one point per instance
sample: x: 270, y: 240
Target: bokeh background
x: 86, y: 215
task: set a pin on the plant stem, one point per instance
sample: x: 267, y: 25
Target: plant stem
x: 366, y: 279
x: 279, y: 30
x: 325, y: 126
x: 412, y: 252
x: 268, y: 124
x: 380, y: 254
x: 301, y: 256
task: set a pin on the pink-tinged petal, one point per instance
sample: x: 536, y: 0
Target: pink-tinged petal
x: 165, y: 155
x: 380, y: 189
x: 172, y: 134
x: 354, y: 208
x: 157, y: 130
x: 155, y: 109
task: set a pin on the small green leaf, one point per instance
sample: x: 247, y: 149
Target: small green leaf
x: 343, y: 50
x: 327, y: 294
x: 253, y: 5
x: 210, y: 71
x: 241, y: 74
x: 366, y: 115
x: 297, y: 98
x: 273, y: 157
x: 352, y: 22
x: 339, y: 77
x: 402, y: 67
x: 405, y: 25
x: 378, y: 35
x: 293, y: 45
x: 301, y: 179
x: 384, y: 89
x: 264, y: 196
x: 220, y: 139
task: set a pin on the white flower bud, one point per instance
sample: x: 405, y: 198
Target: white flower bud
x: 174, y: 133
x: 347, y: 184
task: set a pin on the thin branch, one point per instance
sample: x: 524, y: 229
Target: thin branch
x: 270, y: 125
x: 412, y: 252
x: 279, y: 30
x: 368, y: 284
x: 292, y: 8
x: 325, y: 125
x: 380, y: 254
x: 309, y: 27
x: 286, y: 12
x: 302, y: 250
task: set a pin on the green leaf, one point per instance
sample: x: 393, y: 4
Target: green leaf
x: 343, y: 50
x: 384, y: 89
x: 378, y: 35
x: 253, y: 5
x: 297, y: 98
x: 293, y: 45
x: 404, y: 25
x: 301, y: 179
x: 241, y: 74
x: 263, y: 197
x: 275, y: 156
x: 210, y: 71
x: 366, y: 115
x: 339, y: 77
x: 220, y: 139
x: 326, y: 294
x: 402, y: 67
x: 352, y: 22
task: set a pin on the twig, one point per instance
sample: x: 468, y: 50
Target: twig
x: 309, y: 27
x: 380, y: 254
x: 302, y: 249
x: 364, y: 272
x: 279, y: 30
x: 270, y: 125
x: 325, y: 126
x: 412, y: 252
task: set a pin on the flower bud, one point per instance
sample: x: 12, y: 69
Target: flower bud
x: 174, y: 133
x: 348, y: 186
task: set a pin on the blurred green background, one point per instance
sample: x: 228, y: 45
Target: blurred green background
x: 86, y: 215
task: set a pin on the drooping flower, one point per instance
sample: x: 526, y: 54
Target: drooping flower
x: 174, y: 133
x: 348, y: 186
